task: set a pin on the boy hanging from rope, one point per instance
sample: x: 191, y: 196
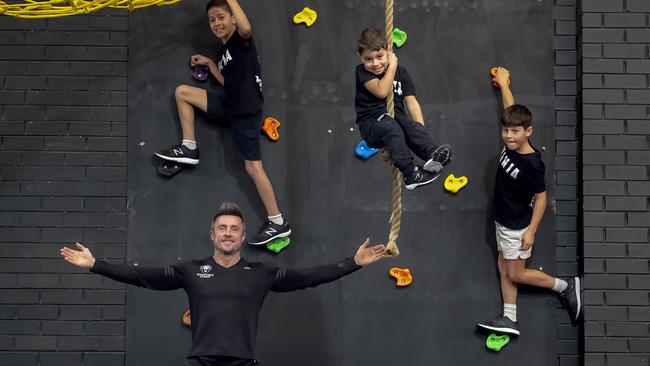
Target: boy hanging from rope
x: 376, y: 76
x: 238, y: 70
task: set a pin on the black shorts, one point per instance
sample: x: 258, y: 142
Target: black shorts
x: 219, y: 361
x: 245, y: 127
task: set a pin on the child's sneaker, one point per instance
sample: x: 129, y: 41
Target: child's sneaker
x: 440, y: 157
x: 570, y: 298
x: 419, y: 177
x: 270, y: 231
x: 181, y: 154
x: 503, y: 325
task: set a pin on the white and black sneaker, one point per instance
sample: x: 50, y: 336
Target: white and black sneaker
x: 419, y: 177
x: 440, y: 157
x: 502, y: 325
x: 181, y: 154
x: 570, y: 298
x: 270, y: 231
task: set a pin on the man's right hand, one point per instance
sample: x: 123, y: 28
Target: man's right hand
x: 80, y: 258
x: 200, y: 60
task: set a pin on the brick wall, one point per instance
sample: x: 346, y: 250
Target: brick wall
x: 615, y: 99
x: 63, y: 93
x: 566, y: 168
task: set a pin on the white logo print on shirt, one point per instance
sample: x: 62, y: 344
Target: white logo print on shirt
x: 224, y: 60
x: 205, y: 271
x: 397, y: 87
x: 508, y: 165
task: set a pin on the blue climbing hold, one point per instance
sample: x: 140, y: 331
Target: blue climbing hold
x: 365, y: 151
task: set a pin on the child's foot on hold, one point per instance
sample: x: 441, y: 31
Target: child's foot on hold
x: 570, y: 298
x: 419, y: 177
x: 503, y: 325
x: 270, y: 231
x: 181, y: 154
x: 440, y: 157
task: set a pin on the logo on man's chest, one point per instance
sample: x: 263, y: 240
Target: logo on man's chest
x: 205, y: 271
x: 508, y: 165
x: 224, y: 60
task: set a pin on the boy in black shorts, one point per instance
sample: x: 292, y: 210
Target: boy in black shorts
x: 376, y: 76
x: 520, y: 185
x: 238, y: 70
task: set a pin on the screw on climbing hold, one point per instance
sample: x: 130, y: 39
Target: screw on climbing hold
x: 495, y: 342
x: 493, y: 72
x: 270, y: 127
x: 399, y: 37
x: 278, y: 244
x: 453, y: 184
x: 307, y: 16
x: 402, y: 276
x: 364, y: 151
x: 141, y: 143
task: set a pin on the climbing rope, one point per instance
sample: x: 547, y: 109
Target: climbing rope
x: 396, y: 215
x: 61, y: 8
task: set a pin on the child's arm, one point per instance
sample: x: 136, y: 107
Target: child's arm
x: 381, y: 87
x: 243, y: 25
x: 214, y: 70
x: 538, y: 212
x: 414, y: 109
x: 502, y: 77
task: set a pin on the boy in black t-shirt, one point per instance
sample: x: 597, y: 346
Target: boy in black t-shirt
x: 520, y: 184
x: 237, y: 69
x: 376, y: 76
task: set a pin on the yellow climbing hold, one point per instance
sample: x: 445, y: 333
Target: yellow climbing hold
x: 453, y: 184
x: 307, y: 16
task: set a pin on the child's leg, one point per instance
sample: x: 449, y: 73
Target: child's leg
x: 263, y: 184
x: 417, y: 138
x: 387, y: 133
x: 519, y: 274
x: 508, y: 288
x: 188, y: 97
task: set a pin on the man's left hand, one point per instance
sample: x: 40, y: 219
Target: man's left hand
x: 369, y: 255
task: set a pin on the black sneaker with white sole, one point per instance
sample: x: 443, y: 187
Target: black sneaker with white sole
x: 502, y: 325
x: 419, y: 177
x: 181, y: 154
x: 440, y: 157
x: 570, y: 298
x: 270, y: 231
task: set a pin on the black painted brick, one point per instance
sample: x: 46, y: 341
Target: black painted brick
x: 104, y: 359
x: 627, y: 266
x: 63, y: 328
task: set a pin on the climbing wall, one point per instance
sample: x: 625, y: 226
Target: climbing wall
x: 334, y: 200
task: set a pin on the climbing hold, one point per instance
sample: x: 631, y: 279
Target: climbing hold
x: 270, y: 126
x: 307, y: 16
x: 453, y: 184
x: 399, y: 37
x: 200, y: 72
x: 187, y: 318
x: 276, y: 245
x: 364, y: 151
x: 493, y: 72
x: 495, y: 342
x: 169, y: 168
x: 402, y: 275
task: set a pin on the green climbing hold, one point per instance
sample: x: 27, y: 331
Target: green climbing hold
x: 399, y: 37
x: 495, y: 342
x: 278, y: 244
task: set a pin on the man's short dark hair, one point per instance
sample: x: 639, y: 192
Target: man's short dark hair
x: 218, y: 4
x: 372, y: 39
x: 517, y: 115
x: 228, y: 209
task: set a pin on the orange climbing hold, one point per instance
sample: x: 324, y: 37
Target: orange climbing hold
x: 493, y: 72
x: 270, y: 126
x: 402, y: 275
x: 187, y: 319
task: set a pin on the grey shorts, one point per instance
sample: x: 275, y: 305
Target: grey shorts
x: 509, y: 242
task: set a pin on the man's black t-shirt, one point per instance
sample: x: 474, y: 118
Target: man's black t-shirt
x: 368, y: 106
x: 519, y: 178
x: 240, y: 66
x: 225, y: 302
